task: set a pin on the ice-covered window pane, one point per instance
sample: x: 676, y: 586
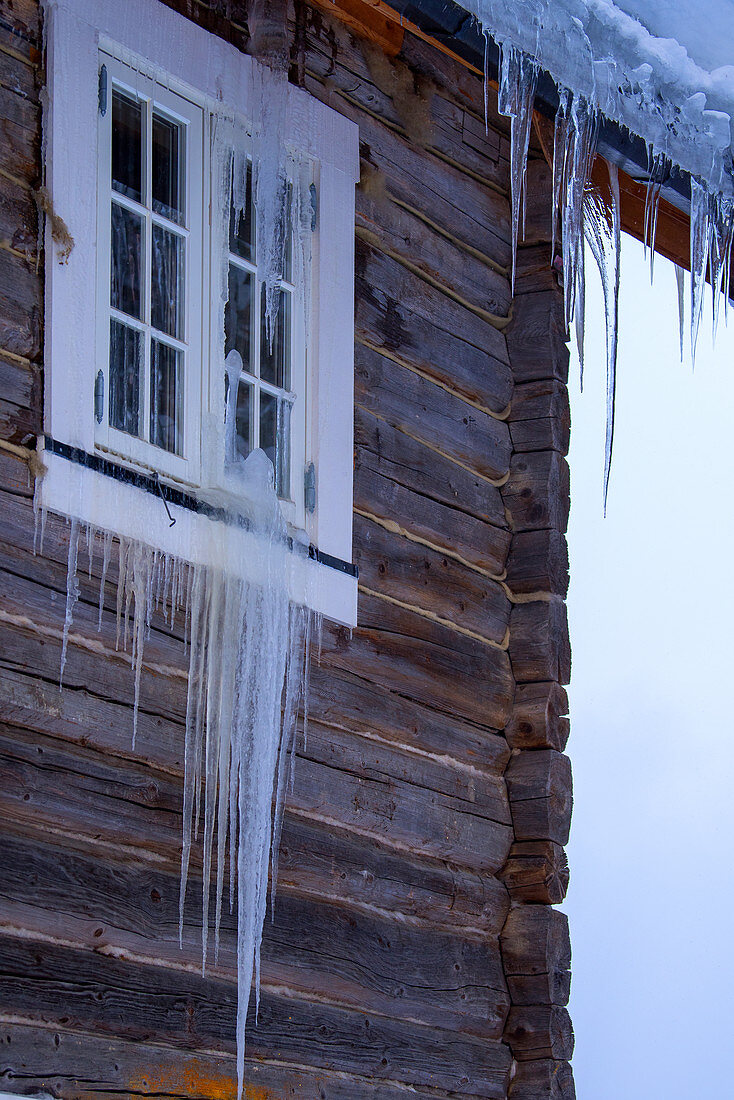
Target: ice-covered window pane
x: 283, y: 465
x: 125, y: 371
x: 238, y: 315
x: 167, y: 282
x: 127, y: 153
x: 127, y: 261
x: 275, y: 434
x: 166, y: 397
x: 243, y: 418
x: 167, y: 168
x: 242, y: 224
x: 275, y: 356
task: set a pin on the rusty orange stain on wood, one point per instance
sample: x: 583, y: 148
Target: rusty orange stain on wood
x: 194, y: 1079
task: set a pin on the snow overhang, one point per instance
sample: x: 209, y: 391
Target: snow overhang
x: 658, y: 76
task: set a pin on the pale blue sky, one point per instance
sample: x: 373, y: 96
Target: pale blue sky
x: 651, y: 608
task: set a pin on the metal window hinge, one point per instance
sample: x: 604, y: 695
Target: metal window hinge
x: 102, y: 91
x: 99, y: 397
x: 313, y: 193
x: 309, y: 487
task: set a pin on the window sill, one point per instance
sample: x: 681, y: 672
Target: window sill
x: 111, y: 497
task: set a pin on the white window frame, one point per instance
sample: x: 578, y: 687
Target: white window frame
x: 165, y: 46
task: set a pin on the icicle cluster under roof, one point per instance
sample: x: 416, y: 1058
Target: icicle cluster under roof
x: 679, y: 100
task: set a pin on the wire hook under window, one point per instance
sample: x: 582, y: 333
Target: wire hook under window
x: 165, y: 502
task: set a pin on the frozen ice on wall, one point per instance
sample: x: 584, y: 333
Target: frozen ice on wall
x: 649, y: 84
x: 248, y: 655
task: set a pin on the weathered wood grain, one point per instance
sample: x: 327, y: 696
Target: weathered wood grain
x: 537, y: 494
x: 428, y: 412
x: 406, y: 236
x: 539, y: 1031
x: 540, y: 417
x: 536, y: 871
x: 538, y: 720
x: 423, y: 660
x: 536, y: 953
x: 539, y: 641
x: 540, y: 791
x: 401, y: 97
x: 538, y: 562
x: 396, y: 566
x: 41, y: 982
x: 353, y: 958
x: 21, y: 303
x: 543, y: 1079
x: 424, y: 471
x: 403, y: 316
x: 79, y: 1065
x: 536, y: 337
x: 344, y: 701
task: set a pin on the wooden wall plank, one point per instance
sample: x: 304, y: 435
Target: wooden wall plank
x: 398, y: 567
x: 41, y: 982
x: 429, y: 332
x: 429, y: 413
x: 342, y: 956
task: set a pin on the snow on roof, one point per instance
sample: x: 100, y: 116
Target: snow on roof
x: 658, y: 67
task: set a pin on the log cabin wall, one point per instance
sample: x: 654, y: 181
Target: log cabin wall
x: 415, y: 950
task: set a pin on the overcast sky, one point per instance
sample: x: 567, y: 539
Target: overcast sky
x: 651, y: 608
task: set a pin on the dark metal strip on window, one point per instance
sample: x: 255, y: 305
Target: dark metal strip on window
x: 178, y: 497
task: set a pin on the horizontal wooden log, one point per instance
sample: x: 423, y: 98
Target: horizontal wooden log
x: 539, y: 643
x: 313, y: 948
x: 18, y: 214
x: 428, y: 662
x: 539, y: 1031
x: 538, y: 718
x: 536, y: 953
x: 537, y: 494
x: 536, y: 337
x: 533, y: 271
x: 405, y: 317
x: 538, y: 562
x: 79, y: 1065
x: 345, y: 701
x: 21, y: 305
x: 395, y: 455
x: 42, y: 982
x: 401, y: 232
x: 399, y: 567
x: 431, y: 414
x: 401, y: 99
x: 21, y: 383
x: 536, y: 871
x: 540, y: 417
x: 543, y: 1079
x: 89, y: 794
x: 541, y: 797
x: 23, y: 18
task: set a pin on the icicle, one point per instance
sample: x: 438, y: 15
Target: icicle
x: 106, y: 553
x: 603, y: 232
x: 518, y: 79
x: 659, y: 172
x: 700, y: 251
x: 269, y: 92
x: 680, y: 284
x: 722, y: 227
x: 72, y: 592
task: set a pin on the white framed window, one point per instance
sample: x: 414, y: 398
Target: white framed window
x: 144, y: 363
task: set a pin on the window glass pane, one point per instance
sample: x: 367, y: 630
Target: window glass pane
x: 275, y: 358
x: 167, y: 166
x: 167, y: 287
x: 127, y: 261
x: 127, y: 157
x: 242, y: 234
x: 166, y: 397
x: 275, y: 437
x: 238, y: 315
x: 283, y: 470
x: 268, y: 424
x: 125, y: 370
x: 243, y: 419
